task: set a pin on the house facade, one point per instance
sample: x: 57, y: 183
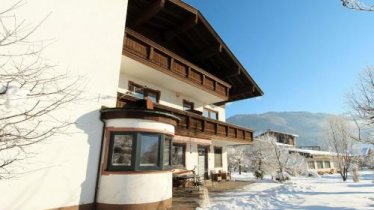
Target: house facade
x: 158, y: 78
x: 320, y: 161
x: 280, y: 137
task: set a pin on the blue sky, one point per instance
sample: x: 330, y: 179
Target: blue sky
x: 305, y: 55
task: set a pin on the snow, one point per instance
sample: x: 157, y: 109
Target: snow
x: 314, y: 152
x: 327, y: 192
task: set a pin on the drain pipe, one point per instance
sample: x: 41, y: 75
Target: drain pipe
x: 99, y: 164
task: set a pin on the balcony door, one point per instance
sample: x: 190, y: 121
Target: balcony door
x: 202, y: 160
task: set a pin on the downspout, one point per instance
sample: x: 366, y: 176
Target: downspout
x: 99, y: 164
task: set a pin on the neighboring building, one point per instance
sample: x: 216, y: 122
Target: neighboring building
x: 280, y: 137
x: 157, y: 87
x: 319, y: 161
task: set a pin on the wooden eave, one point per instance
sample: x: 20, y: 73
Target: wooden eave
x: 182, y: 29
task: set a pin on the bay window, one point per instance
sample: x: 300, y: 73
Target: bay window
x: 137, y: 151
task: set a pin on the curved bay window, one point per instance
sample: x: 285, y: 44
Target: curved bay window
x: 138, y: 151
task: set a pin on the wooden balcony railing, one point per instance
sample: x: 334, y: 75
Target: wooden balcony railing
x: 194, y: 125
x: 150, y: 53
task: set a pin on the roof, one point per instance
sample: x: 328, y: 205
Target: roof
x: 313, y: 152
x: 281, y: 132
x: 183, y: 30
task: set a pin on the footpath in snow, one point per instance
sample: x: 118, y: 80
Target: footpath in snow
x: 327, y: 192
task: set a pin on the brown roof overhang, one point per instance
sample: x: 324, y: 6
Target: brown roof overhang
x: 183, y: 30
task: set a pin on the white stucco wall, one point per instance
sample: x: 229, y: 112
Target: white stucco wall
x: 135, y: 188
x: 141, y: 124
x: 87, y: 40
x: 191, y: 154
x: 172, y: 98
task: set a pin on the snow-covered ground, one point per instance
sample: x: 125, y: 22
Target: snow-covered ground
x: 327, y: 192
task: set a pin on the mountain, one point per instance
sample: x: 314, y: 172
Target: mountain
x: 310, y: 127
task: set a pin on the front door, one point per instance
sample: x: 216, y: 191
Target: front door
x: 202, y: 166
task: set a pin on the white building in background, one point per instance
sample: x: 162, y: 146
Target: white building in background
x: 158, y: 77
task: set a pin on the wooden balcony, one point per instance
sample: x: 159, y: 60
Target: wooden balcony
x: 150, y: 53
x: 198, y: 126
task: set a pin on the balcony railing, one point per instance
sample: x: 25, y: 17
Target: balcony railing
x: 150, y: 53
x: 194, y: 125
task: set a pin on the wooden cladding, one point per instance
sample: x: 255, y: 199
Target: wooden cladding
x: 146, y: 51
x: 194, y: 125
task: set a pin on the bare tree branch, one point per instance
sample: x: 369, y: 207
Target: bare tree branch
x: 359, y: 5
x: 31, y: 92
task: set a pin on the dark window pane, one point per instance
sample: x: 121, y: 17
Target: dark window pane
x: 187, y: 105
x: 319, y: 164
x: 149, y: 149
x: 178, y: 155
x: 167, y: 151
x: 122, y: 148
x: 217, y: 157
x: 153, y: 96
x: 327, y: 164
x: 136, y: 91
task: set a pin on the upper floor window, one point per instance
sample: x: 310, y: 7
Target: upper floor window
x: 140, y: 91
x: 139, y: 151
x: 210, y: 114
x: 187, y: 105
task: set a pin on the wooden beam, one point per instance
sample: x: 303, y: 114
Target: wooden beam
x: 189, y: 23
x: 236, y: 73
x: 250, y: 91
x: 149, y: 12
x: 209, y: 52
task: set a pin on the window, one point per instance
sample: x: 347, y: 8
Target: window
x: 327, y: 164
x: 311, y: 165
x: 141, y: 92
x: 319, y: 164
x: 187, y: 105
x: 149, y: 149
x: 137, y: 90
x: 153, y: 95
x: 139, y: 151
x: 210, y: 114
x: 122, y: 150
x: 217, y: 157
x: 178, y: 155
x: 167, y: 151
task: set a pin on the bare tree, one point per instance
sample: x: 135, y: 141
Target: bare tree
x: 261, y: 157
x: 363, y: 5
x: 238, y: 157
x: 31, y: 91
x: 277, y: 157
x: 361, y: 101
x: 296, y: 164
x: 339, y: 139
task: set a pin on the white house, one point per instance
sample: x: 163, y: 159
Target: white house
x: 158, y: 78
